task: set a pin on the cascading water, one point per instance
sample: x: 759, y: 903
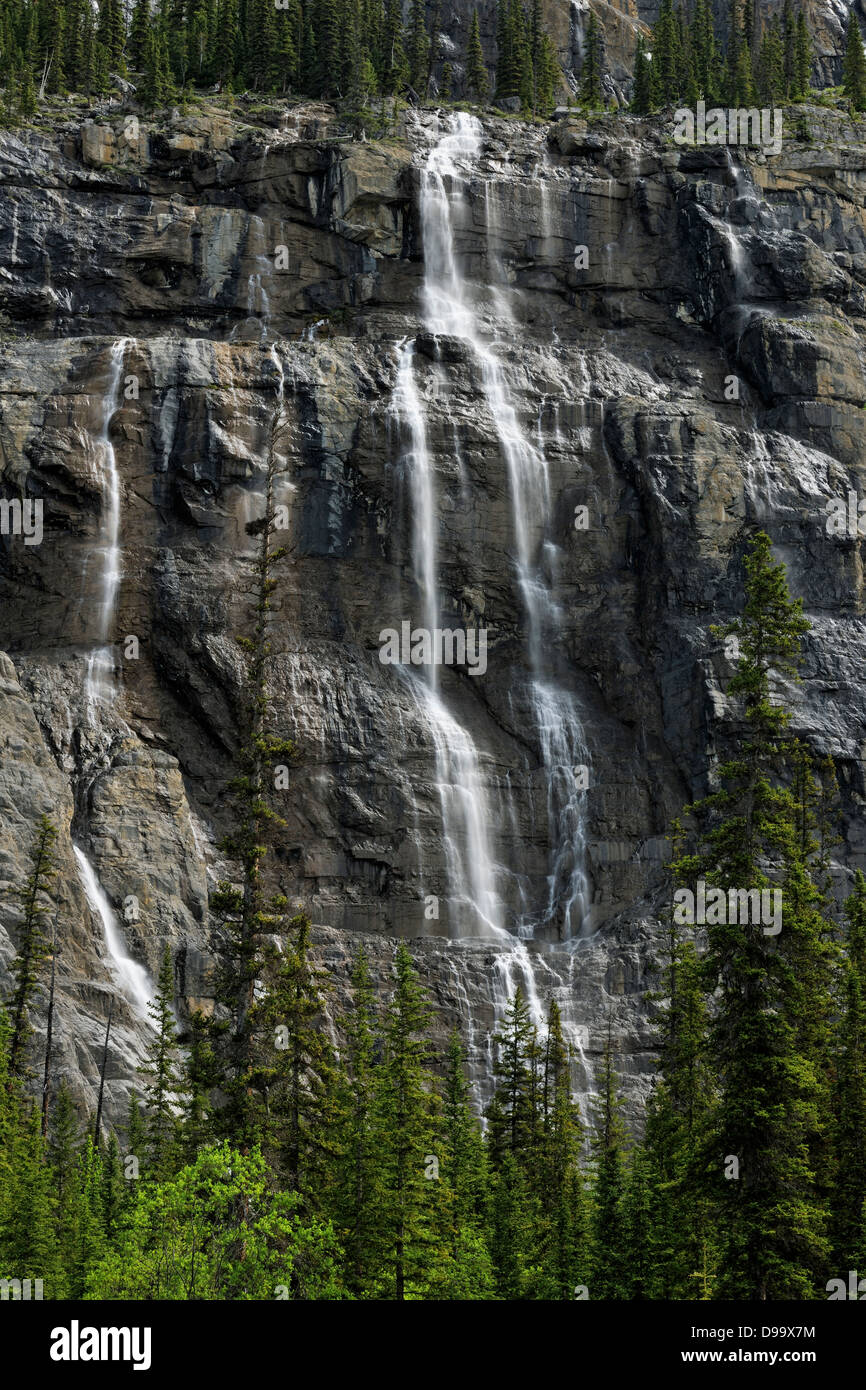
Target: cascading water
x: 132, y: 978
x: 99, y: 678
x: 450, y: 311
x: 474, y: 905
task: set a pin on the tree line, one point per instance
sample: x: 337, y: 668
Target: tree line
x: 348, y: 51
x: 688, y: 61
x: 263, y: 1159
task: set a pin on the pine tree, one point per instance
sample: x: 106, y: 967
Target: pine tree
x: 249, y: 915
x: 417, y: 47
x: 771, y: 82
x: 678, y: 1142
x: 849, y: 1188
x: 200, y: 1080
x: 854, y: 66
x: 591, y: 72
x: 802, y: 60
x: 462, y: 1268
x: 358, y: 1182
x: 476, y: 70
x: 163, y: 1088
x: 641, y: 101
x: 609, y: 1265
x: 27, y: 965
x: 563, y: 1236
x: 139, y: 30
x: 404, y: 1111
x: 513, y: 1122
x: 769, y: 1044
x: 297, y: 1076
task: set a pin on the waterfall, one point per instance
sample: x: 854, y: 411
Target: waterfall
x: 415, y: 461
x: 99, y: 679
x: 475, y: 908
x: 450, y: 312
x: 132, y: 977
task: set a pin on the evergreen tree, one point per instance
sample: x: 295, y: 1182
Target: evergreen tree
x: 463, y: 1267
x: 591, y: 72
x: 854, y: 66
x: 563, y: 1233
x: 768, y: 1040
x: 139, y: 30
x: 249, y: 915
x: 513, y: 1121
x: 163, y: 1088
x: 297, y: 1078
x: 476, y: 70
x: 200, y: 1079
x: 417, y: 47
x: 358, y: 1184
x: 610, y: 1252
x: 771, y: 83
x: 849, y: 1188
x: 802, y: 60
x: 641, y: 101
x: 32, y: 949
x: 404, y: 1110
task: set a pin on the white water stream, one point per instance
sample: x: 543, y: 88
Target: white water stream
x: 132, y: 978
x: 99, y: 677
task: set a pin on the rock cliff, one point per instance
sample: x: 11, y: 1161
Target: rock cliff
x: 660, y: 346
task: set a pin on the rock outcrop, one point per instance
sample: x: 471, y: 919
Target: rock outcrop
x: 698, y: 372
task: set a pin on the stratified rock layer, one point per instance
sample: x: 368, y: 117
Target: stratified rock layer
x: 702, y: 375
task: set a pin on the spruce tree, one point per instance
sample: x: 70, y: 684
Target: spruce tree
x: 610, y: 1252
x: 164, y: 1085
x: 476, y: 70
x: 849, y: 1188
x: 26, y: 969
x: 249, y: 915
x: 404, y: 1109
x: 854, y: 66
x: 357, y: 1197
x: 591, y: 72
x: 802, y: 60
x: 641, y: 101
x: 768, y: 1041
x: 296, y: 1073
x: 562, y: 1237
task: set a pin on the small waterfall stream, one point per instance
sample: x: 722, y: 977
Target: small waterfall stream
x: 450, y: 311
x: 476, y: 907
x: 133, y: 979
x: 99, y: 676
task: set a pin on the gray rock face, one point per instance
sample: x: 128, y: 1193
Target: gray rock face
x: 697, y: 372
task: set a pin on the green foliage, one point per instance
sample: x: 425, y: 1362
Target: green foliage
x: 591, y: 72
x: 476, y: 70
x: 687, y: 63
x: 164, y: 1084
x: 218, y: 1230
x: 306, y: 1151
x: 769, y: 1037
x: 27, y: 965
x: 854, y: 65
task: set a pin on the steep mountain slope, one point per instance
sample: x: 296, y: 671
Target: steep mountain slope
x: 698, y: 372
